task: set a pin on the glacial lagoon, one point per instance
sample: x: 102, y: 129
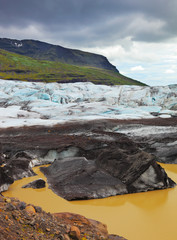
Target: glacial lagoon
x: 151, y: 215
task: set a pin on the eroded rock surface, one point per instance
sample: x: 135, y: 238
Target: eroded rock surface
x: 12, y: 170
x: 114, y: 172
x: 39, y: 183
x: 18, y: 168
x: 45, y: 144
x: 90, y: 153
x: 78, y: 178
x: 160, y: 140
x: 5, y: 180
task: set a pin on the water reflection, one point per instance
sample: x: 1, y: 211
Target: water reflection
x: 147, y: 201
x: 151, y: 200
x: 114, y: 201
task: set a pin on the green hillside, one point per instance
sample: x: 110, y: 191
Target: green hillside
x: 18, y: 67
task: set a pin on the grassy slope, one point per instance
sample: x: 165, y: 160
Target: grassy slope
x: 18, y: 67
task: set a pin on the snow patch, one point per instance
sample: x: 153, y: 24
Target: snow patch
x: 18, y: 44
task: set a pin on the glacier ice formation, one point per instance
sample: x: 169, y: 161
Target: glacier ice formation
x: 31, y: 103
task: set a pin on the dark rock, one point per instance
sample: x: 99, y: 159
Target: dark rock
x: 38, y: 141
x: 114, y: 173
x: 1, y: 155
x: 5, y: 180
x: 18, y: 168
x: 160, y: 141
x: 115, y: 237
x: 31, y: 155
x: 13, y: 170
x: 138, y: 171
x: 39, y: 183
x: 21, y: 205
x: 38, y: 209
x: 23, y: 154
x: 123, y: 165
x: 155, y: 114
x: 78, y: 178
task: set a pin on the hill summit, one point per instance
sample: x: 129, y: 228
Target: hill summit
x: 35, y: 61
x: 45, y: 51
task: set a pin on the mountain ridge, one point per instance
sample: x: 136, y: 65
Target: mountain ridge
x: 50, y: 52
x: 19, y: 67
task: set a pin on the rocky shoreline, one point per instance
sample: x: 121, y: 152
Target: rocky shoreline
x: 19, y: 220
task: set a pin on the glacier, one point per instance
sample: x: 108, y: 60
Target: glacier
x: 36, y: 103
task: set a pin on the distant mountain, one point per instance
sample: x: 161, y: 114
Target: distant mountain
x: 45, y: 51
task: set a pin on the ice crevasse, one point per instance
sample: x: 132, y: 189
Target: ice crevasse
x: 54, y: 101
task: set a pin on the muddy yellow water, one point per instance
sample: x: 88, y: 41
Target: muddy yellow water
x: 140, y: 216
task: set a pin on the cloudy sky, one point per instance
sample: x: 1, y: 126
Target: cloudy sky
x: 138, y: 36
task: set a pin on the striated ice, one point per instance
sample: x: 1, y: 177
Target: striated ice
x: 50, y: 103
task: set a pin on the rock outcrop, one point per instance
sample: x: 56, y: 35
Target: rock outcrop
x: 39, y: 183
x: 18, y: 169
x: 160, y: 140
x: 21, y: 221
x: 91, y: 153
x: 115, y: 172
x: 5, y: 180
x: 85, y: 225
x: 78, y: 178
x: 138, y: 171
x: 12, y: 170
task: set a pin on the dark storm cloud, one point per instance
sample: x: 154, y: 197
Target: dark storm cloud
x: 94, y: 22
